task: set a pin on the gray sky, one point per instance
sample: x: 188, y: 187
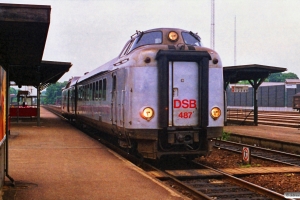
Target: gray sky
x: 88, y: 33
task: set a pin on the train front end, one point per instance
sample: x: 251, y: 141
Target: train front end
x: 179, y: 94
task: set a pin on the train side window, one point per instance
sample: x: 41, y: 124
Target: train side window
x: 84, y: 92
x: 93, y: 93
x: 104, y: 89
x: 96, y: 91
x: 79, y: 93
x: 87, y: 92
x: 100, y: 90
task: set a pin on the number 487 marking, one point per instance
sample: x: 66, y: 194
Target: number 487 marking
x: 185, y: 115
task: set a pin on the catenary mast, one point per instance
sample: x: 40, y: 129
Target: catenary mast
x: 212, y: 33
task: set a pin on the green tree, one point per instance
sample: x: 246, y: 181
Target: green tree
x: 290, y: 75
x: 281, y: 77
x: 53, y: 92
x: 276, y: 77
x: 13, y: 90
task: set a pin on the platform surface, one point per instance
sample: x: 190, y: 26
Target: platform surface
x: 57, y: 161
x: 285, y: 134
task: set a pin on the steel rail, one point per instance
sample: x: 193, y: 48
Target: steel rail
x: 248, y: 185
x: 263, y: 153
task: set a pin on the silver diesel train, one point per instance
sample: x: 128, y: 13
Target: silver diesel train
x: 163, y: 95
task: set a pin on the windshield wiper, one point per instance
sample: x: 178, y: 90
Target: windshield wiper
x: 142, y: 33
x: 196, y: 36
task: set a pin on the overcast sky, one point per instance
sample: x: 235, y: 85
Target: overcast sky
x: 88, y: 33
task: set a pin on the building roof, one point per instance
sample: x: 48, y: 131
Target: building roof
x: 292, y: 81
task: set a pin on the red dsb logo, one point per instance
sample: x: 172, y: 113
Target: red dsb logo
x: 185, y: 103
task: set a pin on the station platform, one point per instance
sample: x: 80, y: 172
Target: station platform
x: 57, y: 161
x: 276, y: 133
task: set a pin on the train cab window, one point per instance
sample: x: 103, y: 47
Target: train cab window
x: 191, y: 39
x: 154, y: 37
x: 125, y: 49
x: 104, y: 90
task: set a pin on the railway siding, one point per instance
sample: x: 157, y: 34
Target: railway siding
x: 200, y: 173
x: 274, y: 137
x: 266, y: 143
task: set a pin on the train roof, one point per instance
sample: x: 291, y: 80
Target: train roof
x: 101, y: 69
x: 72, y: 81
x: 109, y: 65
x: 165, y: 29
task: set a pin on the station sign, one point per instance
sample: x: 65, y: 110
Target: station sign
x: 236, y: 88
x: 292, y: 86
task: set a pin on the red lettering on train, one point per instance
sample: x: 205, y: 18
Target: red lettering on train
x: 185, y: 103
x: 193, y: 103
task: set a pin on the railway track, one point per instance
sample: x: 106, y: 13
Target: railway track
x: 214, y: 185
x: 259, y: 152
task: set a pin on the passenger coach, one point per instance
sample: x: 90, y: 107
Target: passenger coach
x: 163, y: 95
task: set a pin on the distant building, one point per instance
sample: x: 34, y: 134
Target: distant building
x: 270, y: 95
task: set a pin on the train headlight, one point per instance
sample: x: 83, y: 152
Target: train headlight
x: 173, y: 36
x: 215, y: 113
x: 147, y: 113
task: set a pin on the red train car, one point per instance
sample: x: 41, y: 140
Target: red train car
x: 3, y: 131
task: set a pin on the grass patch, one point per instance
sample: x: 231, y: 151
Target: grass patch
x: 225, y: 136
x: 249, y: 165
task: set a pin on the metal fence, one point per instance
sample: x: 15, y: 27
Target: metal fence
x: 267, y: 96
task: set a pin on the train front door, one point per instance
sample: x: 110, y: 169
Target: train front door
x: 183, y: 94
x: 114, y: 102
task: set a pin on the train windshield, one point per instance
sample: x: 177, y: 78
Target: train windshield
x: 154, y: 37
x: 191, y: 39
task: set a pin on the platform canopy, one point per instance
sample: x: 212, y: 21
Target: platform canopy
x: 43, y: 75
x: 255, y: 74
x: 233, y: 74
x: 23, y: 34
